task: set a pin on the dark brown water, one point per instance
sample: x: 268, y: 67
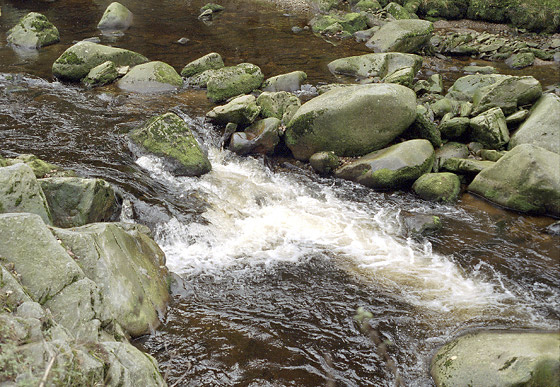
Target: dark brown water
x: 275, y: 259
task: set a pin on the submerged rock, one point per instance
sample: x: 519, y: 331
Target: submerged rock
x: 394, y: 167
x: 210, y: 61
x: 526, y: 179
x: 169, y: 137
x: 420, y: 224
x: 499, y: 359
x: 401, y: 36
x: 285, y: 82
x: 115, y: 17
x: 438, y: 187
x: 261, y: 137
x: 241, y: 111
x: 77, y: 61
x: 151, y: 77
x: 351, y: 121
x: 33, y: 31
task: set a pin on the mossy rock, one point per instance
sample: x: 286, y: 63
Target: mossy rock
x: 232, y: 81
x: 520, y: 60
x: 380, y: 65
x: 101, y: 75
x: 324, y: 162
x: 490, y: 129
x: 350, y: 22
x: 40, y: 167
x: 33, y: 31
x: 241, y: 111
x: 446, y: 9
x: 261, y: 137
x: 151, y: 77
x: 450, y: 150
x: 424, y: 127
x: 507, y: 93
x: 285, y: 82
x: 281, y: 105
x: 402, y: 36
x: 438, y: 187
x: 115, y: 17
x: 210, y: 61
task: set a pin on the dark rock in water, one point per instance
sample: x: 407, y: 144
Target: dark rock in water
x: 438, y: 187
x: 116, y: 17
x: 212, y: 7
x: 554, y: 228
x: 33, y: 31
x: 324, y: 162
x: 206, y: 15
x: 296, y: 29
x: 419, y: 224
x: 230, y: 129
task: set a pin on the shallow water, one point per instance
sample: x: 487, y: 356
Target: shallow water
x: 275, y: 259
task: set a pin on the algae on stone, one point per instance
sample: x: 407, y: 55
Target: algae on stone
x: 33, y: 31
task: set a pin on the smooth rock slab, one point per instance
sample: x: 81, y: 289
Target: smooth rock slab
x: 438, y: 187
x: 151, y: 77
x: 401, y: 36
x: 33, y: 31
x: 375, y: 65
x: 212, y: 61
x: 285, y: 82
x: 232, y: 81
x: 351, y: 121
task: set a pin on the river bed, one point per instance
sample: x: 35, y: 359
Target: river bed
x: 275, y: 259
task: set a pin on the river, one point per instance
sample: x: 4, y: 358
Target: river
x: 275, y: 259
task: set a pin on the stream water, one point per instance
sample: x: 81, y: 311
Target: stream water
x: 276, y: 259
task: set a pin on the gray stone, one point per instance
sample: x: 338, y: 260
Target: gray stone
x: 424, y: 127
x: 241, y: 111
x: 490, y: 129
x: 324, y: 162
x: 507, y: 94
x: 375, y: 65
x: 420, y: 224
x: 465, y: 87
x: 20, y: 192
x: 101, y: 75
x: 115, y: 17
x: 438, y: 187
x: 285, y: 82
x: 469, y: 167
x: 261, y: 137
x: 40, y: 167
x: 281, y: 105
x: 443, y: 106
x: 151, y: 77
x: 517, y: 117
x: 453, y: 127
x: 449, y: 150
x: 491, y: 154
x: 394, y: 167
x: 212, y: 61
x: 401, y: 36
x: 33, y: 31
x: 232, y: 81
x: 520, y: 60
x: 480, y: 69
x: 348, y: 22
x: 398, y: 12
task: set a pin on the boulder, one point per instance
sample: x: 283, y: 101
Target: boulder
x: 424, y: 127
x: 324, y: 162
x: 518, y: 117
x: 399, y: 12
x: 76, y: 62
x: 116, y: 17
x: 212, y: 61
x: 101, y: 75
x: 394, y: 167
x: 151, y: 77
x: 351, y: 121
x: 349, y: 22
x: 128, y: 268
x: 438, y: 187
x: 490, y: 129
x: 422, y: 224
x: 232, y: 81
x: 465, y: 87
x: 74, y: 201
x: 469, y: 167
x: 261, y: 137
x: 44, y: 266
x: 520, y: 60
x: 20, y: 192
x: 507, y: 93
x: 241, y: 111
x: 212, y: 7
x: 281, y: 105
x: 542, y: 128
x: 453, y: 127
x: 285, y: 82
x: 449, y: 150
x: 447, y: 9
x: 432, y: 85
x: 491, y: 154
x: 401, y: 36
x: 526, y: 179
x: 368, y: 6
x: 40, y: 167
x: 33, y: 31
x: 169, y: 137
x: 499, y: 358
x: 380, y: 65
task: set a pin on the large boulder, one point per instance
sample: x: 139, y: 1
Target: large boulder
x: 241, y: 111
x: 351, y: 121
x: 465, y: 87
x: 43, y: 264
x: 490, y: 129
x: 281, y: 105
x: 380, y: 65
x: 74, y: 201
x: 169, y: 137
x: 285, y: 82
x: 438, y: 187
x: 507, y: 94
x: 499, y: 359
x: 20, y: 192
x: 128, y: 268
x: 151, y: 77
x: 232, y: 81
x: 33, y: 31
x: 401, y: 36
x: 261, y: 137
x: 76, y: 62
x: 526, y: 179
x: 394, y: 167
x: 212, y: 61
x: 542, y: 128
x: 115, y: 17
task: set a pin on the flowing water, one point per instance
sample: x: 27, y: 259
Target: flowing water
x: 275, y: 260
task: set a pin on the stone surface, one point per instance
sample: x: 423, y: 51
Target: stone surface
x: 464, y: 88
x: 424, y: 127
x: 33, y: 31
x: 74, y: 201
x: 115, y: 17
x: 526, y: 179
x: 261, y: 137
x: 520, y: 60
x: 232, y: 81
x: 447, y: 9
x: 507, y: 94
x: 77, y: 61
x: 20, y: 192
x: 241, y: 111
x: 453, y: 127
x: 499, y: 358
x: 101, y: 75
x: 375, y: 65
x: 351, y: 121
x: 40, y: 167
x: 542, y: 128
x: 212, y: 61
x: 324, y: 162
x: 349, y: 22
x: 449, y: 150
x: 281, y: 105
x: 169, y: 137
x: 401, y: 36
x: 285, y: 82
x: 421, y: 224
x: 438, y: 187
x: 490, y: 129
x: 151, y: 77
x: 467, y: 167
x: 394, y: 167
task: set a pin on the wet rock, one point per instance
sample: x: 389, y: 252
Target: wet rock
x: 498, y: 359
x: 116, y: 17
x: 401, y: 36
x: 324, y: 162
x: 490, y: 129
x: 285, y: 82
x: 74, y: 201
x: 447, y: 9
x: 365, y: 35
x: 77, y: 61
x: 20, y: 192
x: 438, y: 187
x: 128, y: 268
x: 45, y: 268
x: 424, y: 127
x: 375, y: 65
x: 33, y: 31
x: 206, y: 15
x: 349, y: 22
x: 261, y: 137
x: 468, y: 167
x: 281, y: 105
x: 542, y: 128
x: 453, y: 127
x: 419, y: 224
x: 520, y: 60
x: 212, y: 7
x: 169, y: 137
x: 554, y: 228
x: 241, y: 111
x: 526, y: 179
x: 151, y: 77
x: 232, y: 81
x: 367, y: 6
x: 394, y: 167
x: 507, y: 93
x: 351, y: 121
x: 449, y: 150
x: 399, y: 12
x: 183, y: 41
x: 210, y: 61
x: 101, y: 75
x: 480, y: 69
